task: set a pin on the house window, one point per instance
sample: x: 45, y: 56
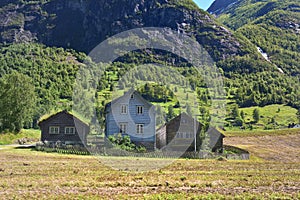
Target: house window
x: 123, y: 127
x: 69, y: 130
x: 179, y: 135
x: 131, y: 96
x: 184, y: 135
x: 54, y: 130
x: 189, y: 135
x: 139, y: 110
x: 140, y: 128
x: 124, y: 109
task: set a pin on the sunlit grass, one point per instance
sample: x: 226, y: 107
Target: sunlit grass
x: 38, y: 175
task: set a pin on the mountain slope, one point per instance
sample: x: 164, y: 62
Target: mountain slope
x: 82, y: 25
x: 272, y: 25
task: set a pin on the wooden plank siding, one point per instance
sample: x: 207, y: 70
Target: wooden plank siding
x: 62, y: 120
x: 179, y: 135
x: 114, y: 118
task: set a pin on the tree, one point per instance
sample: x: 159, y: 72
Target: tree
x: 17, y: 101
x: 242, y: 115
x: 235, y: 112
x: 256, y: 115
x: 170, y: 114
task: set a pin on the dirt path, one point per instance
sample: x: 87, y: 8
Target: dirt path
x: 283, y: 148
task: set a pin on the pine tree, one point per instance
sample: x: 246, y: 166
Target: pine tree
x: 235, y: 112
x: 256, y: 115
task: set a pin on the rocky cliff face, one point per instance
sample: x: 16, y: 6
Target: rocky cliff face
x: 83, y: 24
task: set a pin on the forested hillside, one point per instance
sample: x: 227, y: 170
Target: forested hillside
x: 38, y: 41
x: 51, y: 72
x: 272, y: 25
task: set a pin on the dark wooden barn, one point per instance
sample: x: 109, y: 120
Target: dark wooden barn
x: 64, y: 127
x: 180, y: 133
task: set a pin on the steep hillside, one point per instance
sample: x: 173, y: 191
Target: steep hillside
x: 272, y: 25
x: 81, y: 25
x: 52, y: 70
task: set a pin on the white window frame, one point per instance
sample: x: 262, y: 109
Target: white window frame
x: 54, y: 130
x: 70, y: 128
x: 124, y: 109
x: 123, y: 127
x: 139, y: 128
x: 139, y: 110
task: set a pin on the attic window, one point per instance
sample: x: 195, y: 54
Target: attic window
x: 131, y: 96
x: 124, y: 108
x: 54, y: 130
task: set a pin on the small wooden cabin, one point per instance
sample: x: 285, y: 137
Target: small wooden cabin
x: 179, y: 135
x: 64, y: 127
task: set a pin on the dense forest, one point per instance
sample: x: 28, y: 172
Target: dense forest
x: 51, y: 72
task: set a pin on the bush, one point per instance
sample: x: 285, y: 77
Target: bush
x: 125, y: 143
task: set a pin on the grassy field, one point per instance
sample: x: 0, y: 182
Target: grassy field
x: 27, y: 174
x: 282, y: 115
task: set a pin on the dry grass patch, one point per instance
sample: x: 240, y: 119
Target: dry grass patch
x: 27, y: 174
x: 279, y: 146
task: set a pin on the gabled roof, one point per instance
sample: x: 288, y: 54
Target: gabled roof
x: 127, y: 95
x: 59, y: 113
x: 212, y: 130
x: 183, y: 115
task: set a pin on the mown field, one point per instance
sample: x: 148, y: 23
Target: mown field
x: 27, y: 174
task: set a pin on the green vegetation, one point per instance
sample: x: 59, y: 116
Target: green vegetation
x: 12, y: 138
x: 256, y: 115
x: 270, y: 117
x: 49, y: 71
x: 250, y: 81
x: 17, y: 102
x: 189, y: 4
x: 263, y: 88
x: 54, y: 92
x: 271, y: 25
x: 124, y: 143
